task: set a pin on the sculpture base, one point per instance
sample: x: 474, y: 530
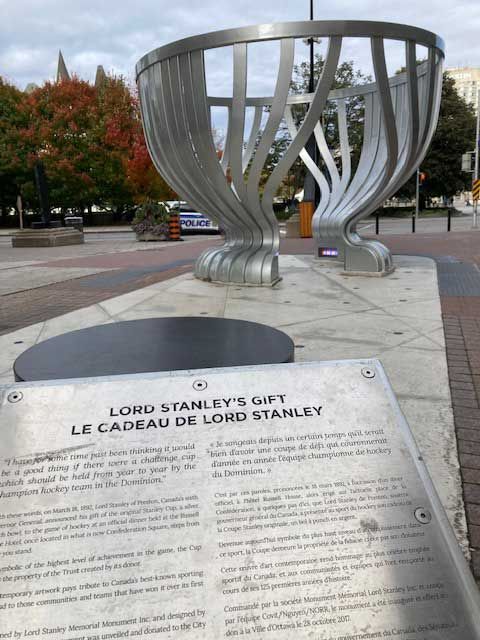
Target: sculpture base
x: 369, y: 274
x: 57, y: 237
x: 243, y: 284
x: 238, y: 265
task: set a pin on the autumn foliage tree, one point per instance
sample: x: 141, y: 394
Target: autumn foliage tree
x: 116, y: 131
x: 144, y: 180
x: 11, y: 118
x: 89, y: 139
x: 60, y: 131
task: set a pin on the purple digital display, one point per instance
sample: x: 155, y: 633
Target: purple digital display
x: 327, y: 252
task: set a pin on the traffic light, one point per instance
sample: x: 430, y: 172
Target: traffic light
x: 422, y: 176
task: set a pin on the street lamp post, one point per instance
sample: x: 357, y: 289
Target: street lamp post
x: 312, y: 61
x: 310, y: 186
x: 417, y: 193
x: 477, y: 150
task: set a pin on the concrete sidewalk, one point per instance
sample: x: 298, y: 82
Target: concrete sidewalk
x: 388, y: 225
x: 23, y: 269
x: 329, y: 317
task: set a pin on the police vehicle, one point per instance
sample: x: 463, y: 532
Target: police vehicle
x: 192, y: 220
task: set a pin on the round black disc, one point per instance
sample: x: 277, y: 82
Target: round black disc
x: 154, y: 344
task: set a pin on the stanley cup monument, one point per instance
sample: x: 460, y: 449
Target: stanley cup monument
x: 400, y: 116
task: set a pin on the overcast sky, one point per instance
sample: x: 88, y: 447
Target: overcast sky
x: 117, y: 33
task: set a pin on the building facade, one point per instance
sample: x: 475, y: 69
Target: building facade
x: 467, y: 83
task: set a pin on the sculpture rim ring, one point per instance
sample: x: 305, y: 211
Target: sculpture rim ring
x: 297, y: 29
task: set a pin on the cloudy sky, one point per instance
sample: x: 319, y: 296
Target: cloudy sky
x: 117, y: 33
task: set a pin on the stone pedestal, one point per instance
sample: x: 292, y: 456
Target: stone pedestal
x: 58, y: 237
x: 293, y: 226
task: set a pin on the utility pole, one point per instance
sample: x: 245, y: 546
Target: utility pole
x: 312, y: 61
x: 477, y: 150
x: 311, y: 192
x: 310, y: 188
x: 417, y: 194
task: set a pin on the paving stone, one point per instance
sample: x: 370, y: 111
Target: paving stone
x: 471, y: 475
x: 455, y: 369
x: 468, y: 412
x: 472, y: 493
x: 468, y: 434
x: 468, y: 446
x: 464, y: 393
x: 462, y: 385
x: 469, y: 461
x: 466, y: 423
x: 465, y: 376
x: 455, y: 353
x: 37, y: 305
x: 476, y: 562
x: 465, y: 402
x: 473, y: 513
x: 474, y: 531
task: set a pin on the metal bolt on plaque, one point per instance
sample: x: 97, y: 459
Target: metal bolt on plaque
x: 423, y: 515
x: 400, y: 115
x: 15, y: 396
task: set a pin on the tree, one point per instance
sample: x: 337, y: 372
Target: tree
x: 90, y: 140
x: 144, y: 180
x: 12, y: 118
x: 455, y: 134
x: 116, y: 134
x: 126, y: 174
x: 59, y: 121
x: 345, y: 76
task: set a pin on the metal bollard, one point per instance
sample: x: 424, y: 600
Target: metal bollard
x: 377, y: 224
x: 449, y: 219
x: 413, y: 222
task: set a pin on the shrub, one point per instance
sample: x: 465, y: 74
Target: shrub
x: 152, y: 217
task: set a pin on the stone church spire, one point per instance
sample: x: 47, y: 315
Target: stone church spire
x: 62, y: 72
x: 100, y: 76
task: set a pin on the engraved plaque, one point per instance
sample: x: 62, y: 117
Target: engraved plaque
x: 284, y: 501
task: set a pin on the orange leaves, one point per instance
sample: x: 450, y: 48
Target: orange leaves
x: 89, y: 138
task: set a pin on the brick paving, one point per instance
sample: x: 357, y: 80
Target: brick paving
x: 131, y: 270
x: 38, y: 305
x: 462, y: 337
x: 461, y: 321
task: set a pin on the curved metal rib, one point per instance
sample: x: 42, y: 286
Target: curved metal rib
x: 254, y: 133
x: 226, y: 151
x: 390, y: 153
x: 316, y: 108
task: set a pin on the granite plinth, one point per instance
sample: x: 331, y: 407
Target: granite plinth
x: 47, y: 237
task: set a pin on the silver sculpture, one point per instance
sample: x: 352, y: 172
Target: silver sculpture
x: 400, y: 118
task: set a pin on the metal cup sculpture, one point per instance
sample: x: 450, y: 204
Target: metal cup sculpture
x: 400, y: 115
